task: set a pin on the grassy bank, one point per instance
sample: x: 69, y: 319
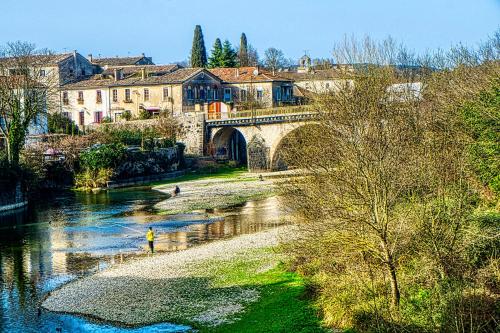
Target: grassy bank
x: 282, y: 305
x: 223, y: 172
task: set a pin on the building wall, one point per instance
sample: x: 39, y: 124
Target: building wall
x: 321, y: 85
x: 89, y: 106
x: 171, y: 103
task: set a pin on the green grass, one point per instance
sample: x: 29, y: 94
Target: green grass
x: 219, y: 173
x: 282, y: 305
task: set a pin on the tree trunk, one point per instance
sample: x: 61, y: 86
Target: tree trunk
x: 389, y: 261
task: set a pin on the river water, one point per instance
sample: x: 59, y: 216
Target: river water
x: 71, y: 235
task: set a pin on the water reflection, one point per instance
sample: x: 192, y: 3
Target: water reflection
x: 71, y: 235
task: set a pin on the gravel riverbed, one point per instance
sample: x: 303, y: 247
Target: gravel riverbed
x: 214, y: 193
x: 179, y: 287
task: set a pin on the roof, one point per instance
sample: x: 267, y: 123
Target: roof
x: 99, y: 81
x: 245, y: 74
x: 39, y: 59
x: 118, y: 61
x: 152, y: 69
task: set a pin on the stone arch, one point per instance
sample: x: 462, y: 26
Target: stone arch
x: 258, y: 154
x: 277, y: 162
x: 228, y: 143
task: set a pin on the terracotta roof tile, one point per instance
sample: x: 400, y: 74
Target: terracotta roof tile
x: 117, y: 61
x: 245, y: 74
x: 99, y: 81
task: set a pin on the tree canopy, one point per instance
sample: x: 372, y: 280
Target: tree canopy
x: 215, y: 59
x: 243, y: 51
x: 198, y: 51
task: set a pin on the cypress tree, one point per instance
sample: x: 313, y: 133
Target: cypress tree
x: 229, y: 57
x: 215, y: 59
x: 198, y: 52
x: 243, y: 53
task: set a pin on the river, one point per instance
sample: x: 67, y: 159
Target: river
x: 70, y: 235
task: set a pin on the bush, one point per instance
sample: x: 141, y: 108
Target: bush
x: 89, y: 179
x: 102, y: 157
x: 144, y: 114
x: 58, y: 123
x: 126, y: 115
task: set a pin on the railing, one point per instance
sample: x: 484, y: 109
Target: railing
x: 285, y: 110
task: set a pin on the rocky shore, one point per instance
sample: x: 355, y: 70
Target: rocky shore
x: 184, y: 287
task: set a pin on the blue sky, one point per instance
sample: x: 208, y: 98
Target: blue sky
x: 163, y: 29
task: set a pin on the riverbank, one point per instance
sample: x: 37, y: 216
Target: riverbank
x: 214, y: 192
x: 216, y: 287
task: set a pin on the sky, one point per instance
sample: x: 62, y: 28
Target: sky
x: 164, y: 29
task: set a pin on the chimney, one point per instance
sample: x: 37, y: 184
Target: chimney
x: 89, y: 57
x: 118, y: 74
x: 143, y: 73
x: 237, y: 72
x: 143, y: 54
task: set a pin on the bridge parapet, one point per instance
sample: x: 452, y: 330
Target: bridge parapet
x: 261, y: 116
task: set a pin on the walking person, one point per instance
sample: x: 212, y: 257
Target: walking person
x: 150, y: 236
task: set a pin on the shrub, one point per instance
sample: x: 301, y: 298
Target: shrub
x: 102, y: 156
x: 89, y: 179
x: 58, y: 123
x: 126, y: 115
x: 144, y: 114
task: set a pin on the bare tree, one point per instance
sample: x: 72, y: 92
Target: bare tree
x: 274, y: 59
x: 25, y: 90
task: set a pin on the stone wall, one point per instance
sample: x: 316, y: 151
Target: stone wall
x: 193, y: 132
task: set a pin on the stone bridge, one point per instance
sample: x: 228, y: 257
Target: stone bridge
x: 253, y: 137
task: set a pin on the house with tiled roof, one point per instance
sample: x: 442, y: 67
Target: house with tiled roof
x: 102, y: 95
x: 253, y: 86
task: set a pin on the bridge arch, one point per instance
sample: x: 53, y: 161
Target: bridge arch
x: 228, y: 143
x: 297, y: 136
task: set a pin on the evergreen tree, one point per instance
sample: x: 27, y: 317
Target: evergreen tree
x: 243, y: 52
x: 215, y: 59
x: 229, y: 56
x: 198, y: 52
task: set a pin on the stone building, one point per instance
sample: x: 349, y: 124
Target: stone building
x: 240, y: 85
x: 149, y: 89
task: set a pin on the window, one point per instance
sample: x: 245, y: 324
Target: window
x: 227, y: 94
x: 81, y: 118
x: 165, y: 93
x: 209, y: 94
x: 80, y: 97
x: 260, y: 93
x: 243, y: 95
x: 189, y: 93
x: 216, y: 94
x: 327, y: 85
x: 127, y: 96
x: 278, y: 94
x: 202, y: 93
x: 71, y: 71
x: 98, y: 96
x: 42, y: 72
x: 146, y: 94
x: 65, y: 98
x: 67, y: 115
x: 97, y: 117
x: 83, y: 72
x: 115, y: 95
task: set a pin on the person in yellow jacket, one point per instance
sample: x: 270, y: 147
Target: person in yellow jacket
x: 150, y: 236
